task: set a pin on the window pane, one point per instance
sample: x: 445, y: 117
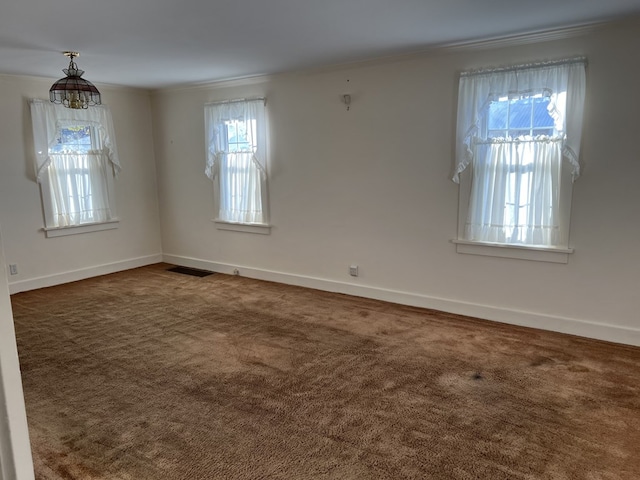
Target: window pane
x: 496, y: 133
x: 520, y: 113
x: 519, y: 133
x: 73, y: 139
x: 541, y: 117
x: 498, y: 112
x: 543, y: 131
x: 239, y: 135
x: 517, y: 117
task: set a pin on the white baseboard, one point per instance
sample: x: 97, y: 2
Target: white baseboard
x: 81, y: 274
x: 572, y: 326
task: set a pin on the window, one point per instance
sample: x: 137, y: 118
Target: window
x: 75, y: 164
x: 236, y: 162
x: 519, y: 133
x: 525, y: 115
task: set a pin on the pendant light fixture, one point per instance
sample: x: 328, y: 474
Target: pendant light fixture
x: 73, y: 91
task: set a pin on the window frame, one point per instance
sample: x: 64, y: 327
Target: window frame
x: 217, y: 149
x: 101, y: 127
x: 463, y: 173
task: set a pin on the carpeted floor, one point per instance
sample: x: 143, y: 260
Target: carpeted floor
x: 150, y: 374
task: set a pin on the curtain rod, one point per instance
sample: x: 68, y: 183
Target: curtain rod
x: 525, y: 66
x: 239, y: 100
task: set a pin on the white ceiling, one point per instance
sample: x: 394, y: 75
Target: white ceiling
x: 159, y: 43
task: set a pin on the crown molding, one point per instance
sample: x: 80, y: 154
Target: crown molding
x: 537, y: 36
x: 501, y: 41
x: 208, y: 85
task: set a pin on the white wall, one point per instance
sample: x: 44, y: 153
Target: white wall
x: 370, y: 186
x: 15, y: 452
x: 45, y: 261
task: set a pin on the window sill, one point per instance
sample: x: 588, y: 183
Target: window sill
x: 260, y: 228
x: 84, y: 228
x: 521, y: 252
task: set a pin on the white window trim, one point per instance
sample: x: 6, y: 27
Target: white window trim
x: 49, y: 119
x: 260, y: 228
x: 84, y: 228
x: 520, y: 252
x: 215, y: 146
x: 570, y: 171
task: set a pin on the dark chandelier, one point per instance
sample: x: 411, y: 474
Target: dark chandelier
x: 73, y: 91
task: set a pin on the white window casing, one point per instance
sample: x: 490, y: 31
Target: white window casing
x: 76, y: 186
x: 547, y: 164
x: 236, y: 146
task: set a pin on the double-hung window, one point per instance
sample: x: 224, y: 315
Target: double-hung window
x: 518, y: 137
x: 76, y: 161
x: 236, y: 162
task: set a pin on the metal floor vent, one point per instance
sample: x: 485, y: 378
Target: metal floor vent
x: 194, y: 272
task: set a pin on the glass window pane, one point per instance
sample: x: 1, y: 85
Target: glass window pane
x: 541, y: 117
x: 519, y: 133
x: 496, y: 133
x: 543, y: 131
x: 520, y: 114
x: 239, y: 135
x: 75, y: 139
x: 498, y: 112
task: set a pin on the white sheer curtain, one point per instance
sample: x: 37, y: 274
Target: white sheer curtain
x: 516, y: 181
x: 236, y: 158
x: 79, y: 188
x: 514, y: 194
x: 77, y: 181
x: 47, y: 119
x: 240, y: 189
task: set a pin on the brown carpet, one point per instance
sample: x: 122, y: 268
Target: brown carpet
x: 149, y: 374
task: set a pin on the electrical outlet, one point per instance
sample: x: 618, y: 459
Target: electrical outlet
x: 353, y: 270
x: 236, y: 271
x: 13, y: 269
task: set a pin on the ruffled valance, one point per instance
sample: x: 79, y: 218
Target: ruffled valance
x: 563, y: 82
x: 251, y: 112
x: 47, y: 120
